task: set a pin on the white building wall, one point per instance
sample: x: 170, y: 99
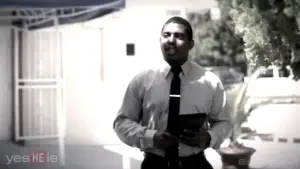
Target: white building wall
x: 82, y: 52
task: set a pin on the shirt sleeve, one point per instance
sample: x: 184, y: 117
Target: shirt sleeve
x: 127, y: 123
x: 219, y: 117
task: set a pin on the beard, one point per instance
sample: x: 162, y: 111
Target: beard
x: 172, y: 54
x: 174, y: 59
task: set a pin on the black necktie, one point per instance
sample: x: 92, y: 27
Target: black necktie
x: 174, y: 108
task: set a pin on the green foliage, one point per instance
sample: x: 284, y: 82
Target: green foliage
x: 270, y: 30
x: 215, y: 41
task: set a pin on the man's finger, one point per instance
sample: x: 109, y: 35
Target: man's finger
x: 183, y: 137
x: 185, y: 142
x: 170, y: 136
x: 193, y: 143
x: 189, y: 132
x: 190, y: 143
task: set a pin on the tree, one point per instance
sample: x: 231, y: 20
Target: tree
x: 216, y: 43
x: 260, y: 32
x: 270, y: 31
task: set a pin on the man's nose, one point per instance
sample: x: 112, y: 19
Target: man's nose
x: 171, y: 39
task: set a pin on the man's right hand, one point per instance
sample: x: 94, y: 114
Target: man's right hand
x: 164, y: 140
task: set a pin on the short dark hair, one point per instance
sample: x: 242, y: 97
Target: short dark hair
x: 181, y: 21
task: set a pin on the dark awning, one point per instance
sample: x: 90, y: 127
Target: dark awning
x: 35, y: 14
x: 52, y: 3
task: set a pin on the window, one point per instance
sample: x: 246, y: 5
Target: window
x: 130, y: 49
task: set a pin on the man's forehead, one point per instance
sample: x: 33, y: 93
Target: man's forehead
x: 174, y: 27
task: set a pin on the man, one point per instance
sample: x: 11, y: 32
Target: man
x: 156, y: 97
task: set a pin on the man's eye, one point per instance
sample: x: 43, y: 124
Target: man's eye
x: 179, y: 35
x: 166, y: 35
x: 176, y: 35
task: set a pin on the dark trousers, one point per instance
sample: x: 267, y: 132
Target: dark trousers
x: 197, y: 161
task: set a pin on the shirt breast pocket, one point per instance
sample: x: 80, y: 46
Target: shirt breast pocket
x: 202, y: 106
x: 196, y: 99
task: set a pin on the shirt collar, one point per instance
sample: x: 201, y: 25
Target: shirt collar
x: 185, y: 68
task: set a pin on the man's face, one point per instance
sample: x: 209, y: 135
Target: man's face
x: 175, y: 44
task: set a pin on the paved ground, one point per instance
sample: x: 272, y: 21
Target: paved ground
x: 281, y: 153
x: 280, y: 120
x: 282, y: 148
x: 268, y: 156
x: 77, y: 157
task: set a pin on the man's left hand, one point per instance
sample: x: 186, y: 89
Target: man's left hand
x: 196, y: 139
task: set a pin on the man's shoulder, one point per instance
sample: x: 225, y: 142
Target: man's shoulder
x: 208, y: 76
x: 148, y: 73
x: 202, y: 70
x: 197, y: 67
x: 213, y: 79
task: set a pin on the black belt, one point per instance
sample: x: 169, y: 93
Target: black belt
x: 181, y: 160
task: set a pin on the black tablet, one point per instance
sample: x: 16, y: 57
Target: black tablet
x: 191, y: 121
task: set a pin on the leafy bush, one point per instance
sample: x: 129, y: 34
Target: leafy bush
x: 270, y: 31
x: 215, y: 42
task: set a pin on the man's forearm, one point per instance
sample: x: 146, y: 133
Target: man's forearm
x: 219, y: 132
x: 133, y: 134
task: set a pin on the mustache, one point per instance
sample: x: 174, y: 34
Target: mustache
x: 170, y: 46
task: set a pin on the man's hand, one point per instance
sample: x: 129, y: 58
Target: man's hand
x: 196, y: 139
x: 164, y: 140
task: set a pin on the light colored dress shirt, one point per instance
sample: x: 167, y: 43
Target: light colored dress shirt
x: 145, y: 107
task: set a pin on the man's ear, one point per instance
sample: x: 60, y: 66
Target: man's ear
x: 191, y: 44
